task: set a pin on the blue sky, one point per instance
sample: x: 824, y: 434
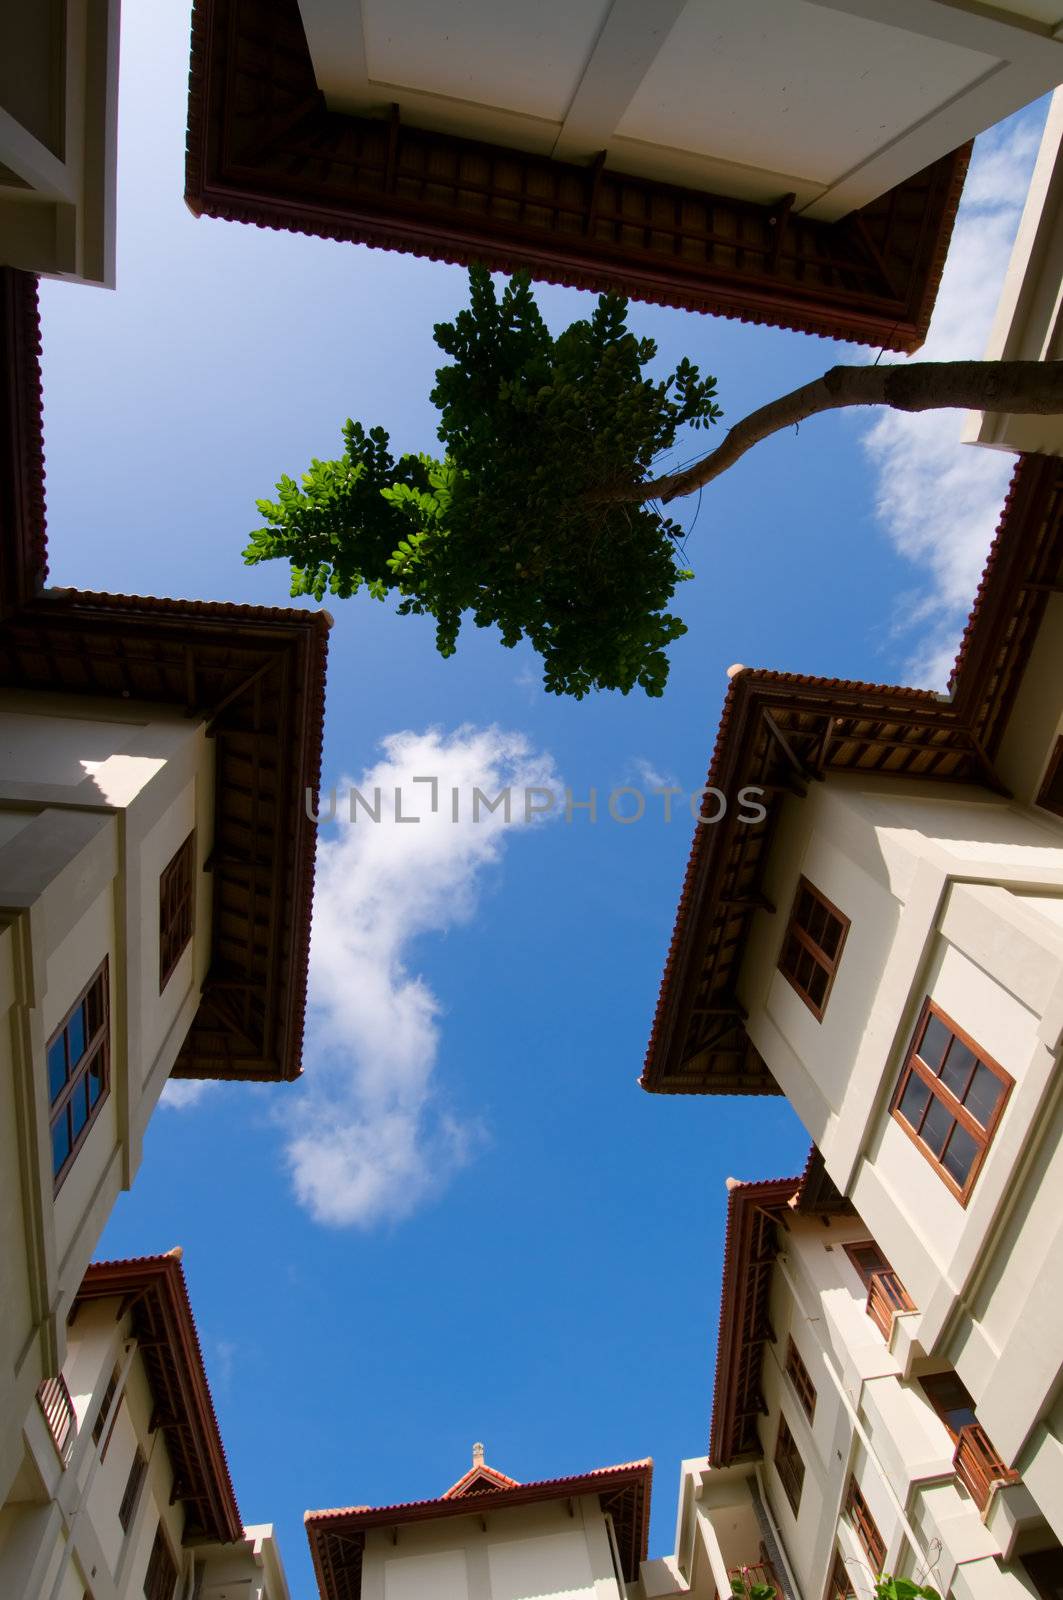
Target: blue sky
x: 468, y: 1222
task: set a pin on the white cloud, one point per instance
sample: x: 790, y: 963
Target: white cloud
x: 181, y: 1093
x: 939, y: 500
x: 648, y: 775
x: 369, y: 1137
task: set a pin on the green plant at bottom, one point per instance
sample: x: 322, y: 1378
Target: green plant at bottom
x: 886, y: 1588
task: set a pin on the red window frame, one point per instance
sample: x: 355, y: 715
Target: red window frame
x: 177, y: 908
x: 160, y: 1579
x: 943, y: 1103
x: 799, y: 1376
x: 804, y: 961
x: 859, y: 1514
x: 839, y: 1584
x: 789, y: 1465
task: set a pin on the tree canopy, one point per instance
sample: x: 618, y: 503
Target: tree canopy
x: 542, y: 516
x: 513, y: 525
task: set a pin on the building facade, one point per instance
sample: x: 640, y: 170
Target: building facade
x: 838, y: 1451
x: 156, y: 875
x: 489, y: 1537
x: 122, y: 1491
x: 884, y: 948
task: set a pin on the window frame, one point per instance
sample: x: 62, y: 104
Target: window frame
x: 784, y: 1457
x: 961, y: 1117
x: 800, y: 1379
x: 134, y: 1488
x: 177, y: 909
x: 852, y: 1247
x: 97, y: 1047
x: 839, y: 1583
x: 157, y: 1592
x: 931, y: 1384
x: 1052, y: 770
x: 825, y: 963
x: 110, y: 1390
x: 864, y: 1525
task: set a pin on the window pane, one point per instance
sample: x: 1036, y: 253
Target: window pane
x: 56, y: 1068
x: 914, y: 1100
x: 935, y: 1038
x: 79, y: 1106
x: 805, y: 908
x: 95, y: 1007
x: 60, y: 1142
x: 831, y: 935
x: 983, y: 1095
x: 75, y: 1031
x: 959, y: 1064
x: 818, y: 923
x: 959, y: 1157
x: 936, y: 1126
x: 95, y: 1079
x: 817, y: 986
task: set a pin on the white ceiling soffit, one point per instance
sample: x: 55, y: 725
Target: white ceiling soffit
x: 816, y: 97
x: 58, y: 139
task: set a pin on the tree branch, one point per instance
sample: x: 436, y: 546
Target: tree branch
x: 1021, y: 387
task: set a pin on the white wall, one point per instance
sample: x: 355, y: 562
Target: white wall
x: 535, y: 1552
x: 95, y: 799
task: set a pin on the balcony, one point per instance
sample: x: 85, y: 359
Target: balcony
x: 746, y: 1582
x: 978, y: 1466
x: 886, y: 1296
x: 53, y: 1397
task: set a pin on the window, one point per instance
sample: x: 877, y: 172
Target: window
x: 137, y: 1469
x: 105, y: 1406
x: 886, y: 1294
x: 788, y: 1464
x: 176, y: 908
x: 1045, y: 1571
x: 839, y: 1586
x: 949, y: 1099
x: 78, y: 1059
x: 812, y: 947
x: 951, y: 1401
x: 1050, y: 794
x: 797, y: 1372
x: 868, y: 1259
x: 866, y: 1529
x: 161, y: 1576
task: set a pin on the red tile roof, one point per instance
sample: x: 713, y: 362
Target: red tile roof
x: 337, y: 1536
x: 263, y: 148
x: 152, y: 1289
x: 834, y: 724
x: 256, y: 672
x: 23, y: 545
x: 748, y: 1260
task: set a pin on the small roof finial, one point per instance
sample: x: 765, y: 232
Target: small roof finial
x: 734, y: 669
x: 477, y: 1455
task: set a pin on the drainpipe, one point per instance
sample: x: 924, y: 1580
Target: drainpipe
x: 776, y: 1536
x: 860, y: 1430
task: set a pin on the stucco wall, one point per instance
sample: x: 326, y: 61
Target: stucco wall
x: 79, y: 882
x: 537, y: 1552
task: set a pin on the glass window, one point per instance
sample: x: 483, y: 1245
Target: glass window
x: 77, y: 1063
x: 949, y: 1098
x: 812, y: 946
